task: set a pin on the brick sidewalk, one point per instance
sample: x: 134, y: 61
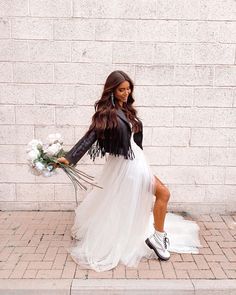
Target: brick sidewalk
x: 32, y: 246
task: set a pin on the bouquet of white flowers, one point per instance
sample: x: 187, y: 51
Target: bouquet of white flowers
x: 42, y: 159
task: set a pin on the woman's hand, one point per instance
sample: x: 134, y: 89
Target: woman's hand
x: 62, y: 160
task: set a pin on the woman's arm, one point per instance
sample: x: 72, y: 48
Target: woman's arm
x: 81, y: 147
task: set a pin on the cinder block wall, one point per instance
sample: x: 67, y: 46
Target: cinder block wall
x: 54, y: 58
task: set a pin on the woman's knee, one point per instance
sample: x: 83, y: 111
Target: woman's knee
x: 161, y: 191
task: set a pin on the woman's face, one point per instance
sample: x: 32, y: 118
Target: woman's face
x: 122, y: 92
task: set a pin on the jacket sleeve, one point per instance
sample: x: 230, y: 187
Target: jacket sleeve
x: 81, y: 147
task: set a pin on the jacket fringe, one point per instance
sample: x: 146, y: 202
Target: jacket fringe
x: 96, y: 149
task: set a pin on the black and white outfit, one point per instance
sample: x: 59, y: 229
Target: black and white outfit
x: 112, y: 224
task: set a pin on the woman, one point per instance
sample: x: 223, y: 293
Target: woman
x: 112, y: 223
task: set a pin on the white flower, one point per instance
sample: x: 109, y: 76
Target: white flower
x: 54, y: 138
x: 47, y: 173
x: 33, y: 155
x: 39, y: 166
x: 53, y: 149
x: 34, y: 144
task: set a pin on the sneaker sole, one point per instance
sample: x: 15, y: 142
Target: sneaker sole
x: 150, y: 245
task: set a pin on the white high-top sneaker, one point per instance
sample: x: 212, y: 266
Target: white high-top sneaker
x: 158, y: 243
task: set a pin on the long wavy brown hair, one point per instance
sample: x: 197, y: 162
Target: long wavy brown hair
x: 105, y: 116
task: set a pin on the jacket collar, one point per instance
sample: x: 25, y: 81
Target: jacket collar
x: 121, y: 114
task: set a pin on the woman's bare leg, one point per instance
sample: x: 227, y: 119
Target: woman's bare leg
x: 162, y: 195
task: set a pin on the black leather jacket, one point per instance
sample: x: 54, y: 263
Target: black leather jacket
x: 122, y: 147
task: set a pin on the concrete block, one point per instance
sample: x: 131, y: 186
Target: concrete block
x: 39, y: 115
x: 64, y: 192
x: 163, y: 96
x: 32, y: 28
x: 7, y: 115
x: 84, y: 8
x: 5, y: 28
x: 74, y: 29
x: 16, y: 94
x: 132, y: 52
x: 90, y: 51
x: 198, y: 156
x: 220, y: 193
x: 217, y: 10
x: 225, y: 76
x: 103, y: 70
x: 191, y: 174
x: 227, y: 32
x: 7, y: 192
x: 213, y: 137
x: 122, y: 9
x: 193, y: 75
x: 52, y: 8
x: 230, y: 175
x: 6, y: 72
x: 33, y: 73
x: 224, y: 117
x: 222, y: 156
x: 157, y: 30
x: 16, y: 173
x: 213, y: 97
x: 74, y: 116
x: 50, y: 51
x: 15, y: 206
x: 203, y: 117
x: 198, y: 31
x: 205, y: 287
x: 170, y: 136
x: 29, y: 286
x: 8, y: 153
x: 190, y: 193
x: 147, y: 136
x: 55, y: 94
x: 86, y: 95
x: 14, y: 8
x: 156, y: 116
x: 14, y: 50
x: 170, y: 9
x: 113, y: 30
x: 34, y: 192
x: 20, y: 134
x: 214, y: 53
x: 132, y: 286
x: 173, y: 53
x: 154, y: 75
x: 157, y: 155
x: 74, y: 73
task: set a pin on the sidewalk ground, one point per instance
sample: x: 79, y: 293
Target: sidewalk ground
x: 32, y: 247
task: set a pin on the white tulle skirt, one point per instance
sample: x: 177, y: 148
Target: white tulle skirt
x: 111, y: 224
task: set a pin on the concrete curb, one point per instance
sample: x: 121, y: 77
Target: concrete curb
x: 116, y: 286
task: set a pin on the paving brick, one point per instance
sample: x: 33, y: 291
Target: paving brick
x: 81, y: 274
x: 215, y: 247
x: 168, y: 270
x: 99, y: 275
x: 69, y: 270
x: 30, y: 274
x: 217, y: 270
x: 200, y: 274
x: 40, y: 265
x: 187, y: 257
x: 181, y: 274
x: 150, y: 274
x: 185, y: 265
x: 132, y: 274
x: 49, y: 274
x: 201, y: 262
